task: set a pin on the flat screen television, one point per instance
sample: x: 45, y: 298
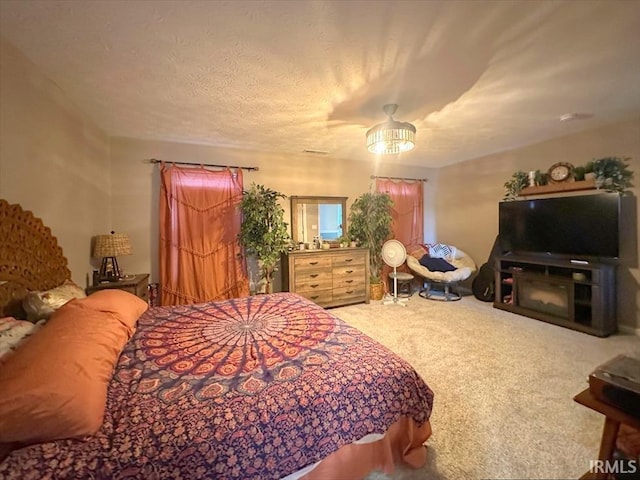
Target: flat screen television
x: 580, y: 227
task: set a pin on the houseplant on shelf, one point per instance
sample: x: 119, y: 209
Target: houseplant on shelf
x: 370, y: 224
x: 612, y: 174
x: 518, y: 181
x: 263, y: 232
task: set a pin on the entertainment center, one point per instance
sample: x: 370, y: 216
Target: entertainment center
x: 559, y: 259
x: 580, y: 296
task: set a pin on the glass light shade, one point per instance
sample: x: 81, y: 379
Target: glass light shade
x: 391, y: 136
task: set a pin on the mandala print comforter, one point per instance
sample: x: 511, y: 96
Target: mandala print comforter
x: 252, y: 388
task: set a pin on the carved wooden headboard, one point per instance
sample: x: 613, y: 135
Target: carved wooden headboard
x: 30, y: 258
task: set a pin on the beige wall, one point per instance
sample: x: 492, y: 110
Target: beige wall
x: 136, y: 185
x: 468, y: 195
x: 56, y: 163
x: 53, y: 161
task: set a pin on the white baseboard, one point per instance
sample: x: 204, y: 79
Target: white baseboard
x: 629, y: 330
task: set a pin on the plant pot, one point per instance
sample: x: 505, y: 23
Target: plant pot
x: 376, y: 291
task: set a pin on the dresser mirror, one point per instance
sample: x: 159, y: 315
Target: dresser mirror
x: 313, y: 217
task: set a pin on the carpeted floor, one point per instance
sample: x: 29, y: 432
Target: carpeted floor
x: 503, y: 384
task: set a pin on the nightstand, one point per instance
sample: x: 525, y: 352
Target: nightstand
x: 138, y: 285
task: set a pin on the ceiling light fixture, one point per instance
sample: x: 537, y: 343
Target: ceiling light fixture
x: 391, y: 136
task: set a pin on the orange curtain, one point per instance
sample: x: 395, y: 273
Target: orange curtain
x: 408, y: 209
x: 200, y: 217
x: 407, y: 213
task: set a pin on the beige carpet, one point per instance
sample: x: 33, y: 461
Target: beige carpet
x: 503, y: 384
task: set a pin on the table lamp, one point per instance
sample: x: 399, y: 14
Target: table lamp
x: 108, y: 247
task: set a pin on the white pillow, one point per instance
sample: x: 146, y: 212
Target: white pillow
x: 40, y: 305
x: 13, y: 332
x: 440, y: 250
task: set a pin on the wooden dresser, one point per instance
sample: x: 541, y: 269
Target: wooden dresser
x: 330, y: 278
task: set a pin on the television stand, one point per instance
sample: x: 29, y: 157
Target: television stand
x: 574, y: 294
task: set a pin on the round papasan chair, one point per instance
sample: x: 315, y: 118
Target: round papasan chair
x: 440, y: 285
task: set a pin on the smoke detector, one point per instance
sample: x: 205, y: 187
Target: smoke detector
x: 568, y: 117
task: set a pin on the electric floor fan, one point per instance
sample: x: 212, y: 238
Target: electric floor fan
x: 394, y: 255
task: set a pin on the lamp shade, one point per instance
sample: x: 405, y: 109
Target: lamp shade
x: 112, y: 245
x: 391, y: 136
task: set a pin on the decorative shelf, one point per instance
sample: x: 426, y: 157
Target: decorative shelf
x: 559, y: 187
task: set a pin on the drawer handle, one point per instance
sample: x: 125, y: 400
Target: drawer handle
x: 313, y: 263
x: 315, y: 285
x: 349, y: 292
x: 349, y: 281
x: 314, y: 297
x: 314, y: 275
x: 349, y: 271
x: 348, y: 260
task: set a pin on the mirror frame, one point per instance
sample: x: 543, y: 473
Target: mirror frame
x: 298, y: 200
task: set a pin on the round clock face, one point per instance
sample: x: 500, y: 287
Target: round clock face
x: 560, y: 172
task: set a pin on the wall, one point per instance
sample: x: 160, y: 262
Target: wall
x: 53, y: 161
x: 135, y: 185
x: 468, y: 195
x: 58, y: 164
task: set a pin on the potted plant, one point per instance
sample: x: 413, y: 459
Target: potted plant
x: 263, y: 232
x: 370, y: 223
x: 613, y: 174
x: 343, y: 241
x: 518, y: 181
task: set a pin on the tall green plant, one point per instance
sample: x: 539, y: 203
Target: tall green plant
x: 370, y: 225
x: 263, y: 232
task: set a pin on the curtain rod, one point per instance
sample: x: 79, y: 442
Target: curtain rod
x: 155, y: 160
x: 401, y: 178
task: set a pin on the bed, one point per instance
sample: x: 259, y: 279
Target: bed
x: 264, y: 387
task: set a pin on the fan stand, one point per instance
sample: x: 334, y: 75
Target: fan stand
x: 395, y: 300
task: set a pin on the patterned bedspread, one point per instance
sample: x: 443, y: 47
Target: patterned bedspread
x: 253, y: 388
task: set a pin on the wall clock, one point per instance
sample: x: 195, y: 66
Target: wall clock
x: 560, y: 172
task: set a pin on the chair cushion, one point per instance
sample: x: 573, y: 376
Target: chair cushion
x: 436, y: 264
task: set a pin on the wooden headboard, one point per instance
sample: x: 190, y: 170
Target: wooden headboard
x: 30, y: 258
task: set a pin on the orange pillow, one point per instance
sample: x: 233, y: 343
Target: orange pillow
x: 55, y: 385
x: 417, y: 251
x: 126, y: 307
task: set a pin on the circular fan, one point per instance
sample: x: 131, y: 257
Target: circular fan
x: 393, y: 253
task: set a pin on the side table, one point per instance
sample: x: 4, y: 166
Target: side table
x: 404, y: 283
x: 613, y: 418
x: 138, y: 285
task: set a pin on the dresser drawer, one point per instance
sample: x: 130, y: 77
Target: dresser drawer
x: 349, y: 293
x: 349, y: 271
x: 312, y: 261
x: 347, y: 259
x: 353, y: 281
x: 313, y: 280
x: 321, y: 297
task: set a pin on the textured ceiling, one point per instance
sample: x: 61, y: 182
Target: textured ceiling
x: 474, y: 77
